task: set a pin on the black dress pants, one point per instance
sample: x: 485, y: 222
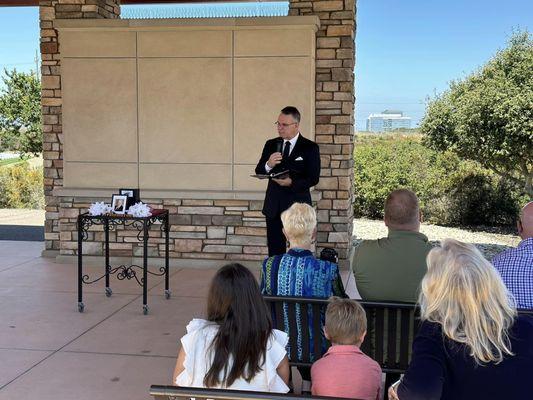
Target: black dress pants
x: 277, y: 244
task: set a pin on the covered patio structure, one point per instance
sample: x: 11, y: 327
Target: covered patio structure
x: 208, y: 226
x: 51, y: 351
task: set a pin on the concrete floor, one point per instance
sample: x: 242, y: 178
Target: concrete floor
x: 50, y: 351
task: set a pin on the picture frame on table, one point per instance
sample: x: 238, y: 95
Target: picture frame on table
x: 133, y: 196
x: 127, y: 192
x: 119, y: 204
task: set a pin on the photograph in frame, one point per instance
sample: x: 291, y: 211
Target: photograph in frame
x: 127, y: 192
x: 119, y: 203
x: 133, y: 195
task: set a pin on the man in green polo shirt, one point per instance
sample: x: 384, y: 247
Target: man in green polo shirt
x: 391, y: 268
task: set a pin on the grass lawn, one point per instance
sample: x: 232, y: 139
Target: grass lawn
x: 10, y: 161
x: 33, y: 162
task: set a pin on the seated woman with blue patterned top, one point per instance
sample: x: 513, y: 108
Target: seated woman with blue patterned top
x: 298, y: 272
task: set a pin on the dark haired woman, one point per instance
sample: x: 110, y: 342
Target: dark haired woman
x: 236, y: 347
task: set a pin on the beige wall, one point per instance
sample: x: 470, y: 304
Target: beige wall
x: 180, y: 105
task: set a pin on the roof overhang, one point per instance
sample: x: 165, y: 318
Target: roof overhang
x: 35, y: 3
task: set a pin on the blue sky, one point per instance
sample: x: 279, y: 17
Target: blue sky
x: 408, y: 50
x: 405, y: 50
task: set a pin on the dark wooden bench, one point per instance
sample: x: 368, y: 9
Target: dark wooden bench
x: 184, y: 393
x: 391, y: 328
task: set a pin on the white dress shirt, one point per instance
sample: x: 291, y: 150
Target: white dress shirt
x: 292, y: 142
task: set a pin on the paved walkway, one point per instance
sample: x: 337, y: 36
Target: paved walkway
x: 9, y: 216
x: 50, y: 351
x: 20, y: 224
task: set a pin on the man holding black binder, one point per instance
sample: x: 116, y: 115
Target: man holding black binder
x: 300, y: 157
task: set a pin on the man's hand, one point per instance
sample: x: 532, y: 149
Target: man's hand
x: 283, y: 182
x: 393, y: 394
x: 274, y: 159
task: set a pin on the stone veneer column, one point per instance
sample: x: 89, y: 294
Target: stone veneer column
x: 49, y: 11
x: 334, y: 117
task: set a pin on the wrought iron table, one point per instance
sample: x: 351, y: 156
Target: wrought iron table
x: 110, y: 222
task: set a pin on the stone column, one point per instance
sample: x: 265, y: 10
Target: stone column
x: 49, y: 11
x: 334, y: 117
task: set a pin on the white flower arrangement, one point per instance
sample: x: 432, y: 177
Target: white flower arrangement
x: 99, y: 208
x: 140, y: 210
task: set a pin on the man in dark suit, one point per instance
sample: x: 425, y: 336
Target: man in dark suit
x: 301, y: 157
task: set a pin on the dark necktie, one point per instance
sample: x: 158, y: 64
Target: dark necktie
x: 286, y: 150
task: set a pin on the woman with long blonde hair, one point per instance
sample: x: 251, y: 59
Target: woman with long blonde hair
x: 471, y: 344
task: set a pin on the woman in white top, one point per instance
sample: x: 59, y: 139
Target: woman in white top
x: 235, y: 347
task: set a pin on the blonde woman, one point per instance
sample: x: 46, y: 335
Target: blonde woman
x: 298, y: 272
x: 471, y: 344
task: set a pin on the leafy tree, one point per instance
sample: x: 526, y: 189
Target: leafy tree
x: 20, y: 113
x: 488, y: 116
x: 452, y: 191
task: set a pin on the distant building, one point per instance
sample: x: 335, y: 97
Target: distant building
x: 388, y: 120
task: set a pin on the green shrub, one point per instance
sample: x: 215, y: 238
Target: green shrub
x: 381, y: 166
x: 21, y: 187
x: 451, y: 191
x: 476, y: 198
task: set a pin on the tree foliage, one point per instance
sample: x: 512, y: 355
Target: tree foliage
x: 20, y: 113
x: 21, y: 186
x: 488, y: 116
x: 452, y: 191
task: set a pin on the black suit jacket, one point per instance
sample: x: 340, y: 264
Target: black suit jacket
x: 304, y: 173
x: 442, y: 369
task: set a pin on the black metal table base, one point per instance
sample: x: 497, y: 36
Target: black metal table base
x: 110, y: 222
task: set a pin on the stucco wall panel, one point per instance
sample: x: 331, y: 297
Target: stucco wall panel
x: 185, y: 44
x: 189, y: 103
x: 101, y: 175
x: 98, y: 44
x: 263, y: 86
x: 185, y: 176
x: 243, y: 181
x: 99, y: 109
x: 185, y: 110
x: 292, y: 42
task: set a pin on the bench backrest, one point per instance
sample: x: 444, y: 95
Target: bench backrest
x: 184, y: 393
x: 391, y: 328
x: 286, y: 312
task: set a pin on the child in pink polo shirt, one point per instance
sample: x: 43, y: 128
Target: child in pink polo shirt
x: 345, y: 371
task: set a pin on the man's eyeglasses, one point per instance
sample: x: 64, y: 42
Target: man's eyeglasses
x: 284, y: 125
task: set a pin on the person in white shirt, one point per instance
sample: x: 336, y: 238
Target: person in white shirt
x: 235, y: 347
